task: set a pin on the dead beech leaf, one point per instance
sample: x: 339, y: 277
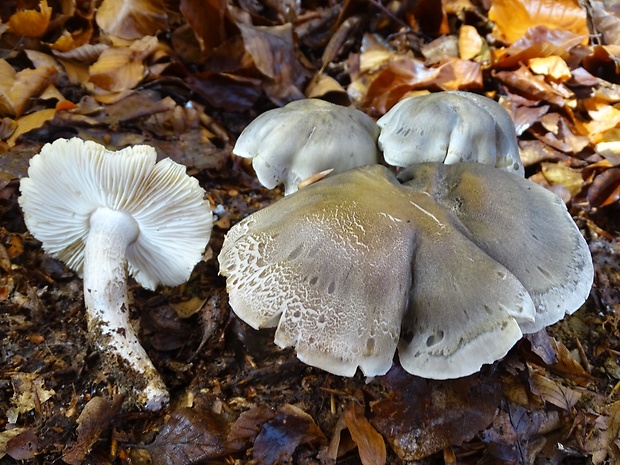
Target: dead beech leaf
x: 552, y: 66
x: 29, y: 123
x: 207, y: 19
x: 7, y: 435
x: 132, y: 19
x: 280, y: 437
x: 513, y: 18
x: 28, y: 84
x: 470, y: 42
x: 122, y: 68
x: 244, y: 431
x: 31, y: 23
x: 23, y: 446
x: 533, y: 87
x: 562, y: 174
x: 93, y: 420
x: 553, y: 392
x: 605, y: 189
x: 605, y: 21
x: 603, y: 117
x: 453, y: 411
x: 191, y: 435
x: 370, y: 444
x: 567, y: 365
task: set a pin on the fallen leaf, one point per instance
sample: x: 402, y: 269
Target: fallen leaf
x: 248, y: 426
x: 422, y: 416
x: 207, y: 19
x: 93, y: 420
x: 280, y: 437
x: 29, y: 123
x: 560, y: 173
x: 605, y: 189
x: 370, y: 444
x: 31, y: 23
x: 23, y: 446
x: 553, y: 392
x: 512, y: 18
x: 552, y: 66
x: 470, y: 42
x: 132, y: 19
x: 28, y: 391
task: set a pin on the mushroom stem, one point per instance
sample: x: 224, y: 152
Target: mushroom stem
x: 105, y: 296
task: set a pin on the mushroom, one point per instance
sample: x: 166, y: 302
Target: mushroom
x: 102, y: 212
x: 305, y: 137
x: 451, y: 267
x: 450, y: 127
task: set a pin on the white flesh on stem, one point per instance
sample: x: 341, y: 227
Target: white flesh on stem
x: 105, y: 296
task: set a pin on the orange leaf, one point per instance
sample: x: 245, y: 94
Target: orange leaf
x: 513, y: 18
x: 552, y: 66
x: 29, y: 83
x: 31, y: 23
x: 369, y: 442
x: 470, y: 42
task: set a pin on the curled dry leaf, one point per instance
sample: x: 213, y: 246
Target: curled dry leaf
x: 370, y: 444
x: 553, y: 67
x: 31, y: 23
x: 553, y: 392
x: 207, y: 19
x: 605, y: 189
x: 513, y: 18
x: 132, y: 19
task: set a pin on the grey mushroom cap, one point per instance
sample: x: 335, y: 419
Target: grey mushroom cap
x: 451, y: 267
x: 306, y: 137
x: 450, y: 127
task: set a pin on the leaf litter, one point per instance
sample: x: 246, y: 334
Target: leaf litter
x: 187, y: 77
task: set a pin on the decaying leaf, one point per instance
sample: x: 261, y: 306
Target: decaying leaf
x: 553, y: 392
x: 454, y: 411
x: 132, y: 19
x: 29, y: 391
x: 369, y: 442
x: 605, y: 189
x: 23, y: 446
x: 94, y: 419
x: 280, y: 437
x: 513, y: 18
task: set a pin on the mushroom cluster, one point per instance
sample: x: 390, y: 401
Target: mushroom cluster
x: 308, y: 137
x: 104, y: 212
x: 449, y: 263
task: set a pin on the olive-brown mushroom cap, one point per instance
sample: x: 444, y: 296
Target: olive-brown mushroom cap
x: 451, y: 266
x: 450, y: 127
x: 305, y: 137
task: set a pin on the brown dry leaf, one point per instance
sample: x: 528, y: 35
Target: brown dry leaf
x: 605, y: 189
x: 280, y: 437
x: 538, y: 42
x: 132, y: 19
x: 453, y: 411
x: 207, y: 19
x: 30, y: 122
x: 603, y: 117
x: 244, y: 431
x: 605, y: 20
x: 553, y: 67
x: 404, y: 74
x: 31, y: 23
x: 23, y: 446
x: 533, y: 87
x: 93, y: 420
x: 29, y: 391
x: 567, y: 365
x: 120, y: 69
x: 470, y: 42
x: 513, y: 18
x: 553, y: 392
x: 370, y: 443
x: 559, y: 134
x: 273, y: 52
x: 560, y: 173
x: 28, y: 84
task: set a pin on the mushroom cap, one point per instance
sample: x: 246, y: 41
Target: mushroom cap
x: 305, y: 137
x: 69, y: 179
x: 450, y: 127
x: 452, y: 267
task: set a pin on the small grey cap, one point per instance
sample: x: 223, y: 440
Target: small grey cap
x: 69, y: 179
x: 305, y: 137
x: 450, y: 127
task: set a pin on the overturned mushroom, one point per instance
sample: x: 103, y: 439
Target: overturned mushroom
x: 450, y: 127
x: 452, y: 266
x: 305, y: 137
x: 101, y: 212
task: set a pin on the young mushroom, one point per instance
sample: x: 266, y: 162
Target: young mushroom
x: 451, y: 267
x: 450, y: 127
x: 305, y: 137
x: 102, y: 212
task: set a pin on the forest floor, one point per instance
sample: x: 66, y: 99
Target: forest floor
x: 186, y: 76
